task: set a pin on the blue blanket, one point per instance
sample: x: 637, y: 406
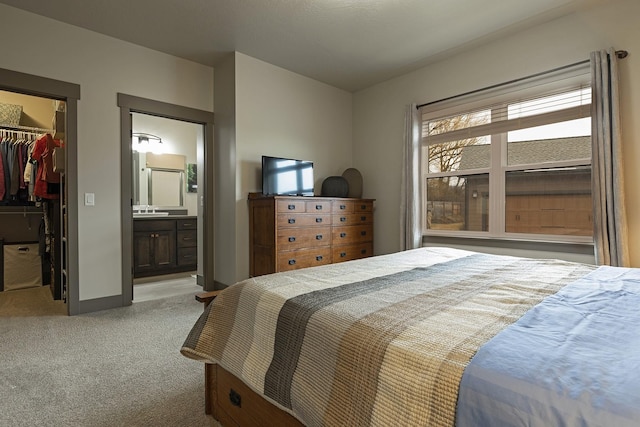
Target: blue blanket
x: 573, y: 360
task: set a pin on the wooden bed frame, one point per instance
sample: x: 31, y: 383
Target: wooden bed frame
x: 232, y: 402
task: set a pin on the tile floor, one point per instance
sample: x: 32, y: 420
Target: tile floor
x: 149, y: 288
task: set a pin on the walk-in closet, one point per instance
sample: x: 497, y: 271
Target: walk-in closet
x: 32, y: 204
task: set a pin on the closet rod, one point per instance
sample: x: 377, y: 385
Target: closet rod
x: 620, y: 54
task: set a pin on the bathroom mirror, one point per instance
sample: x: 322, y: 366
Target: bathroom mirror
x: 159, y: 180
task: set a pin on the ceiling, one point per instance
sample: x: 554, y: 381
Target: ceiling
x: 349, y: 44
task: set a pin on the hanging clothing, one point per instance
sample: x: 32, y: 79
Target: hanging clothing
x: 47, y: 183
x: 14, y: 169
x: 30, y: 172
x: 1, y: 176
x: 15, y: 147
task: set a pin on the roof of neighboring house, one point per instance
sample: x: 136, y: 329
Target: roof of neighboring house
x: 529, y: 152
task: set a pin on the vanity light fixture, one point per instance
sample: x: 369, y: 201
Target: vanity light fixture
x: 145, y: 142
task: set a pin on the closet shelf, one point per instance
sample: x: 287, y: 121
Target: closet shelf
x: 27, y: 129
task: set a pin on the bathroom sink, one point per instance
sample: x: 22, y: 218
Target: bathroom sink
x: 149, y: 214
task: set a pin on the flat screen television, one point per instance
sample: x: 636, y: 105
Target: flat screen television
x: 286, y: 177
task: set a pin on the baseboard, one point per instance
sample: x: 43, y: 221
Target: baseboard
x: 219, y: 285
x: 106, y: 303
x: 98, y: 304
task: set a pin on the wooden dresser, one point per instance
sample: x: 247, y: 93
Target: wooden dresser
x: 287, y: 233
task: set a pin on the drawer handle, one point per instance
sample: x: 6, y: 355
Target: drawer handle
x: 363, y: 233
x: 318, y: 207
x: 292, y: 239
x: 343, y: 254
x: 343, y: 207
x: 186, y: 224
x: 291, y: 221
x: 363, y: 251
x: 319, y: 258
x: 235, y: 398
x: 363, y: 207
x: 318, y: 219
x: 363, y: 218
x: 318, y: 236
x: 292, y: 262
x: 187, y: 238
x: 291, y: 207
x: 343, y: 219
x: 187, y: 256
x: 343, y: 234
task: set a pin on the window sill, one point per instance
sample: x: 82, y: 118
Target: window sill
x: 570, y: 251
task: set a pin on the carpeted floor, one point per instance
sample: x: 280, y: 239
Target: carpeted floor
x: 30, y: 302
x: 119, y: 367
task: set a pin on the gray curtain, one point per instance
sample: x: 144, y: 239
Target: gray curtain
x: 609, y: 216
x: 410, y: 228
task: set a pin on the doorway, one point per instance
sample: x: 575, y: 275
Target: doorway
x: 165, y: 206
x: 66, y: 245
x: 133, y: 111
x: 30, y: 226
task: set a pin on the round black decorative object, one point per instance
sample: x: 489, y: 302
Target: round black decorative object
x: 335, y: 186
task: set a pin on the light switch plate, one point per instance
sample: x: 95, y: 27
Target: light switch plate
x: 89, y: 199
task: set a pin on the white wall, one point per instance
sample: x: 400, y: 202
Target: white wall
x: 378, y: 111
x: 284, y: 114
x: 102, y: 66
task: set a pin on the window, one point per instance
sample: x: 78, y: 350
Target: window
x: 517, y: 165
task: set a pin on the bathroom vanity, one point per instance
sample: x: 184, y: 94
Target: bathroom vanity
x: 164, y: 245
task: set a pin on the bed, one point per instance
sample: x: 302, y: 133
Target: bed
x: 429, y: 337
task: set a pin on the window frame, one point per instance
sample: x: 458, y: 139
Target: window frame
x: 568, y: 78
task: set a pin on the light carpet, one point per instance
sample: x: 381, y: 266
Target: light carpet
x: 30, y: 302
x: 119, y: 367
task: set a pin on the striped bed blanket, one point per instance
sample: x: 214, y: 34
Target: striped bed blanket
x: 378, y: 341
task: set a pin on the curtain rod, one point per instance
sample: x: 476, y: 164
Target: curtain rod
x: 620, y: 54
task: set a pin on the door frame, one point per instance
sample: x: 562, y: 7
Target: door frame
x: 132, y: 104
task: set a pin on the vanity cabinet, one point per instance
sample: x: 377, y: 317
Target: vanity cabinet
x: 187, y: 242
x: 164, y: 246
x: 288, y: 233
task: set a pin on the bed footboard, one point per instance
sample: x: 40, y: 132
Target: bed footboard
x: 232, y: 403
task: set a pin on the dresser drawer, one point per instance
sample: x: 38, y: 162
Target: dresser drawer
x: 296, y: 238
x: 342, y: 206
x: 292, y: 260
x: 287, y: 220
x: 290, y: 205
x: 318, y: 206
x: 363, y: 206
x: 351, y: 234
x: 352, y: 219
x: 350, y: 252
x: 187, y: 238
